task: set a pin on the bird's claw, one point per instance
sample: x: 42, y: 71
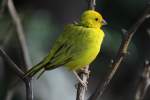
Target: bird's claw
x: 84, y: 84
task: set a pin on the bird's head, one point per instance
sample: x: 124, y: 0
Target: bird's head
x: 92, y: 19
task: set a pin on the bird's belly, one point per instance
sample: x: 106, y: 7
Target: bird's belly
x: 83, y: 58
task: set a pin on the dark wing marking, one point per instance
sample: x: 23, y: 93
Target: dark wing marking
x: 50, y: 67
x: 57, y: 60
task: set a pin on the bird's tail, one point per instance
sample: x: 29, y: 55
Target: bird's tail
x: 35, y: 69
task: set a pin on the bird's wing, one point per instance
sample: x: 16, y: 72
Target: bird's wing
x: 61, y: 52
x: 56, y: 53
x: 59, y: 55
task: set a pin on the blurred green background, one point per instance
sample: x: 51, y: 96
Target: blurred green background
x: 43, y: 21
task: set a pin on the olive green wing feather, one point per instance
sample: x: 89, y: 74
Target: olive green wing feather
x: 57, y: 55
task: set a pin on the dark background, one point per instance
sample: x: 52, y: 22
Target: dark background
x: 43, y: 21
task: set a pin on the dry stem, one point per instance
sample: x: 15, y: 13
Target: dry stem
x: 84, y: 75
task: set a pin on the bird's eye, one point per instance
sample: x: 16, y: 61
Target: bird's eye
x: 96, y: 19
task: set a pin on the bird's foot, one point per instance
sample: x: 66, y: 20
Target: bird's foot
x: 84, y: 84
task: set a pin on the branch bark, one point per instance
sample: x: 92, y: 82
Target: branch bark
x: 91, y: 4
x: 144, y: 82
x: 121, y: 54
x: 81, y: 90
x: 14, y: 67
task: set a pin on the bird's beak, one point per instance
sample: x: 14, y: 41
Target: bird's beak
x: 104, y: 22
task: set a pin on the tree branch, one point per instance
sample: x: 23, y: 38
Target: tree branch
x: 144, y: 82
x: 14, y: 67
x: 29, y: 89
x: 81, y: 90
x: 121, y: 54
x: 91, y: 4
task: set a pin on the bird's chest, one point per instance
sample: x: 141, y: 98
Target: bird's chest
x: 87, y: 44
x: 85, y: 47
x: 86, y: 41
x: 89, y: 40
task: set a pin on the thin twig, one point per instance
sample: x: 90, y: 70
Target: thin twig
x: 91, y: 4
x: 144, y: 82
x: 120, y: 55
x: 20, y: 32
x: 14, y: 67
x: 29, y: 89
x: 81, y: 90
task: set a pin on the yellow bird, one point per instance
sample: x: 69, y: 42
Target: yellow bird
x: 76, y: 47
